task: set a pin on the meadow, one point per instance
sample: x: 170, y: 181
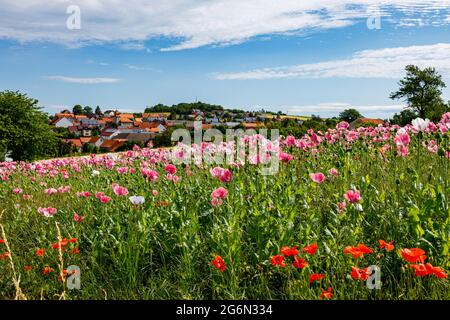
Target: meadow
x: 145, y: 226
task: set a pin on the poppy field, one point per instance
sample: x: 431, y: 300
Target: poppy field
x: 345, y: 209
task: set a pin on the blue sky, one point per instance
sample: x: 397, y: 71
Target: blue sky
x: 314, y: 58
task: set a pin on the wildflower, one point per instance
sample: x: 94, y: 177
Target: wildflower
x: 318, y: 177
x: 420, y: 124
x: 362, y: 274
x: 216, y: 202
x: 316, y: 277
x: 311, y: 249
x: 413, y: 255
x: 352, y: 196
x: 119, y: 191
x: 47, y: 212
x: 137, y: 200
x: 278, y: 260
x: 428, y: 269
x: 357, y: 252
x: 155, y: 193
x: 299, y: 263
x: 75, y: 250
x: 384, y: 245
x: 50, y: 191
x: 95, y: 173
x: 40, y: 252
x: 327, y: 294
x: 2, y: 241
x: 26, y: 197
x: 73, y: 240
x: 170, y: 168
x: 219, y: 263
x: 17, y: 191
x: 342, y: 206
x: 333, y: 172
x: 77, y: 217
x: 104, y: 199
x: 421, y: 269
x: 27, y: 268
x: 47, y: 270
x: 219, y: 193
x: 288, y: 252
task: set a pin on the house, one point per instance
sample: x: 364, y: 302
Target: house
x: 151, y: 117
x: 112, y: 145
x: 365, y: 122
x: 253, y: 125
x: 74, y: 129
x: 96, y: 141
x: 75, y: 143
x: 232, y: 124
x: 63, y: 122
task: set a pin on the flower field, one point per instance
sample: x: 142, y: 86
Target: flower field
x: 161, y: 224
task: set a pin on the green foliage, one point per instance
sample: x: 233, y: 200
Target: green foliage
x: 88, y: 111
x: 77, y: 110
x: 98, y: 111
x: 422, y: 90
x: 350, y: 115
x: 404, y: 117
x: 184, y: 108
x: 24, y: 127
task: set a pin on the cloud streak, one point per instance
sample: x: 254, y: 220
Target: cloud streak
x: 82, y: 80
x: 380, y: 63
x: 192, y: 23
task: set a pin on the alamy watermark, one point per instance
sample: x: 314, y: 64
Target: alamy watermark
x: 73, y: 22
x: 235, y: 147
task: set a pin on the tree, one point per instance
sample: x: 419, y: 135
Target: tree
x: 88, y: 111
x: 422, y: 90
x: 98, y: 111
x: 404, y: 117
x: 24, y: 128
x: 350, y: 115
x: 77, y: 109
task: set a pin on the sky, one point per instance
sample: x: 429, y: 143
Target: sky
x: 299, y: 57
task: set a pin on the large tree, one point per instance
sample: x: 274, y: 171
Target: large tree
x: 350, y: 115
x: 98, y: 111
x: 77, y: 109
x: 24, y: 128
x: 422, y: 90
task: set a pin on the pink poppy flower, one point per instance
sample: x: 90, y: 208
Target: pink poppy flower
x: 318, y: 177
x: 352, y: 196
x: 216, y: 202
x: 219, y: 193
x: 17, y: 191
x: 104, y: 199
x: 155, y: 192
x: 47, y: 212
x: 170, y: 168
x: 333, y: 172
x: 119, y: 191
x: 77, y: 217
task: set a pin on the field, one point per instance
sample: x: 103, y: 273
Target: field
x: 207, y: 231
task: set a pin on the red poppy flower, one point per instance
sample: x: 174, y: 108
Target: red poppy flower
x: 73, y: 240
x: 360, y: 274
x: 47, y: 270
x: 355, y: 252
x: 27, y: 268
x: 278, y: 260
x: 316, y: 277
x: 288, y: 252
x: 327, y: 294
x: 6, y: 255
x: 413, y: 255
x: 421, y: 269
x: 311, y: 249
x: 299, y: 263
x: 364, y: 249
x: 384, y: 245
x: 76, y: 251
x: 40, y: 252
x: 2, y: 241
x: 219, y: 263
x: 64, y: 242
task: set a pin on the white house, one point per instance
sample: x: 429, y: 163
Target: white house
x: 63, y: 123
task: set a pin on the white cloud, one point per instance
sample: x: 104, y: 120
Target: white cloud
x: 380, y: 63
x: 194, y: 23
x: 334, y: 108
x: 137, y: 68
x: 82, y: 80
